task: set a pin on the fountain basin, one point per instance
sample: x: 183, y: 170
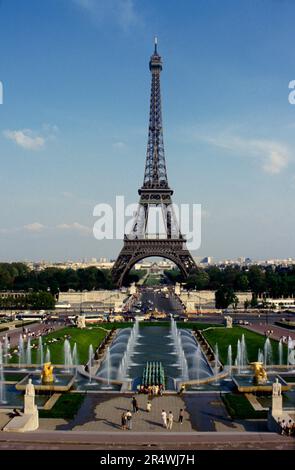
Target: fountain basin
x: 245, y: 384
x: 15, y: 398
x: 62, y: 383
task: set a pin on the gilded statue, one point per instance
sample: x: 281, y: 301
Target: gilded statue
x: 47, y: 373
x: 260, y: 376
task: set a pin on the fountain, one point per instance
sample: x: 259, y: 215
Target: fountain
x: 178, y: 347
x: 216, y: 363
x: 260, y: 357
x: 106, y: 371
x: 29, y: 353
x: 21, y: 351
x: 108, y: 365
x: 229, y: 360
x: 5, y: 350
x: 90, y: 359
x: 280, y: 352
x: 68, y: 361
x: 238, y: 357
x: 123, y: 367
x: 198, y: 366
x: 40, y: 358
x: 47, y: 355
x: 2, y: 384
x: 290, y: 353
x: 268, y: 353
x: 260, y: 381
x: 244, y: 356
x: 75, y: 357
x: 198, y: 358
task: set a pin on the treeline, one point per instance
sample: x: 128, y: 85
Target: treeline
x: 275, y: 282
x: 32, y: 300
x: 18, y: 277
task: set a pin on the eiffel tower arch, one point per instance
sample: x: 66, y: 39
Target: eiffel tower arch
x: 154, y: 193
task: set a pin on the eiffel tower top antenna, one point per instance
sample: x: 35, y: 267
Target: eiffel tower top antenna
x: 156, y: 45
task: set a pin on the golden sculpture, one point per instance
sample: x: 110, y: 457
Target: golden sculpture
x: 47, y: 373
x: 260, y: 376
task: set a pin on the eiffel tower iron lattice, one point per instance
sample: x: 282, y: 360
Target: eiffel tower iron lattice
x: 154, y: 193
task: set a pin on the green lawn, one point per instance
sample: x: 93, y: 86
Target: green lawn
x: 152, y: 281
x: 238, y: 407
x: 189, y: 325
x: 83, y: 338
x: 226, y: 336
x: 91, y: 335
x: 66, y: 407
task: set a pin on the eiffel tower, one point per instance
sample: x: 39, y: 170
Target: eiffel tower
x: 154, y: 193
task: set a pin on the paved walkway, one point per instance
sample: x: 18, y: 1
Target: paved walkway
x: 207, y: 413
x: 278, y: 331
x: 103, y: 414
x: 36, y: 328
x: 202, y: 413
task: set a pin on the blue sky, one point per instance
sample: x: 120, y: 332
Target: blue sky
x: 73, y: 125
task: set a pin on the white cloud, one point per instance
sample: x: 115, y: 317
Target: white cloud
x: 32, y: 140
x: 34, y: 227
x: 37, y: 227
x: 25, y: 138
x: 119, y: 145
x: 121, y: 12
x: 75, y: 227
x: 272, y: 155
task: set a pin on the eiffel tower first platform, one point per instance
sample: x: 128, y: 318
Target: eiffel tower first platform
x: 155, y: 192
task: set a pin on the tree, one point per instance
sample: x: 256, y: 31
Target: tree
x: 224, y: 297
x: 247, y: 304
x: 256, y: 278
x: 241, y: 282
x: 254, y: 301
x: 198, y: 280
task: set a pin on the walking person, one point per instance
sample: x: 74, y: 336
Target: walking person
x: 129, y: 420
x: 164, y: 418
x: 283, y: 427
x: 170, y: 420
x: 181, y: 414
x: 289, y: 428
x: 123, y: 420
x: 134, y: 405
x: 148, y: 406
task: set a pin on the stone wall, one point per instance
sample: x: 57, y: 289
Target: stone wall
x: 109, y: 299
x: 205, y: 299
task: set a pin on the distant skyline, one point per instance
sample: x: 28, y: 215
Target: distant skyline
x: 73, y: 123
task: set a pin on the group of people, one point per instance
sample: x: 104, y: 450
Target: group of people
x: 285, y: 339
x: 268, y: 333
x: 152, y: 390
x: 167, y: 418
x: 287, y: 428
x: 126, y: 417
